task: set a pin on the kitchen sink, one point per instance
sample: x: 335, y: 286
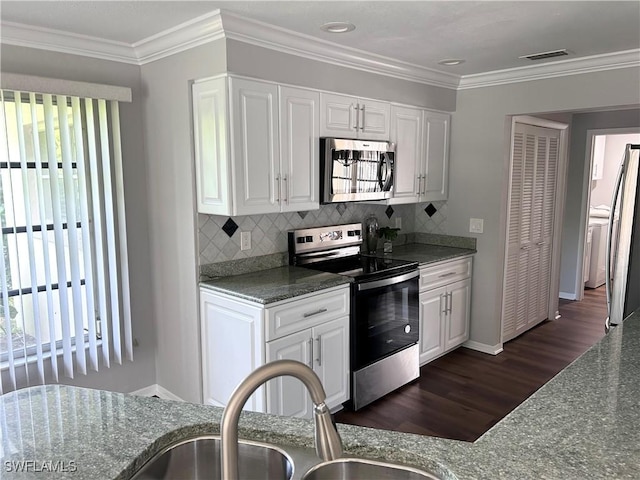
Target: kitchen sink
x: 362, y: 469
x: 199, y: 458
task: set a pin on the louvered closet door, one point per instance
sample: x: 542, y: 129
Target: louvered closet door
x: 530, y: 230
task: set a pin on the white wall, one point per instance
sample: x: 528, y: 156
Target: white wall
x: 478, y: 179
x: 141, y: 373
x: 172, y: 212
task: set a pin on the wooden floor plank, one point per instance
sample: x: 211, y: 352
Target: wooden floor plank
x: 464, y: 393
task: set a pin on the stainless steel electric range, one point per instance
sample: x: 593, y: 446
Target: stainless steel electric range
x: 384, y: 307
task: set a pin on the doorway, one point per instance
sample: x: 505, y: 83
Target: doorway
x: 605, y: 150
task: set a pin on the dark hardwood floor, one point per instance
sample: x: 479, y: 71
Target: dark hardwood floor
x: 464, y: 393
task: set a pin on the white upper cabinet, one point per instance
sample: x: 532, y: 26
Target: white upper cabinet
x: 422, y: 154
x: 299, y: 149
x: 256, y: 147
x: 211, y: 145
x: 343, y: 116
x: 435, y: 169
x: 406, y: 133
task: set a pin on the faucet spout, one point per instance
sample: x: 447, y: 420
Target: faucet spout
x: 327, y: 439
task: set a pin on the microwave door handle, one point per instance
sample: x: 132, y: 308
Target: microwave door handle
x: 607, y: 260
x: 386, y: 181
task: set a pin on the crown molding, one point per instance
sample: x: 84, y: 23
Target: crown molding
x: 64, y: 42
x: 275, y: 38
x: 558, y: 68
x: 204, y: 29
x: 218, y: 25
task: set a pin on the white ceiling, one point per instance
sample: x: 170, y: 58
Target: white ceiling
x: 489, y: 35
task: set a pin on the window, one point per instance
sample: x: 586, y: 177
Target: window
x: 63, y: 261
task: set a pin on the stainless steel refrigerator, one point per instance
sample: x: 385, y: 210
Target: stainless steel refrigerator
x: 623, y: 254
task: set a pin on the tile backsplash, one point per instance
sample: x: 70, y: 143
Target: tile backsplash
x: 269, y: 232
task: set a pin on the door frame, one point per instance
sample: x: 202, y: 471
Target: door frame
x: 561, y: 180
x: 586, y: 198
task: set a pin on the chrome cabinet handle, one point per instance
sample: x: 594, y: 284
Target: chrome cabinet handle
x: 362, y: 125
x: 448, y: 274
x: 317, y: 312
x: 286, y: 193
x: 310, y: 363
x: 357, y: 116
x: 450, y: 295
x: 277, y: 188
x: 424, y: 185
x: 444, y: 295
x: 319, y: 359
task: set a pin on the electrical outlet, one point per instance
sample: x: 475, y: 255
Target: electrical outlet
x: 476, y: 225
x: 398, y: 222
x: 245, y: 240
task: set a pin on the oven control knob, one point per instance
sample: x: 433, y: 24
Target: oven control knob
x: 407, y: 328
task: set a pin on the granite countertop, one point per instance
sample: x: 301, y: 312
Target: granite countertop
x: 282, y: 283
x: 584, y: 423
x: 275, y: 284
x: 425, y: 254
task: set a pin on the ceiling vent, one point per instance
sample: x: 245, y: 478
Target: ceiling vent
x: 544, y: 55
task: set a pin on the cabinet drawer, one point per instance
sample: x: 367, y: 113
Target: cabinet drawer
x: 297, y: 315
x: 433, y: 276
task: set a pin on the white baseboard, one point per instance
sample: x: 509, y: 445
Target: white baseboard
x: 157, y: 390
x: 567, y: 296
x: 483, y: 347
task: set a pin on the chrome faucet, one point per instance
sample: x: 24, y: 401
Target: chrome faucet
x: 327, y: 439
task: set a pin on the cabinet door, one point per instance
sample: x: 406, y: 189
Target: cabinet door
x: 232, y: 347
x: 457, y: 331
x: 436, y: 156
x: 374, y: 120
x: 338, y: 115
x: 256, y: 160
x: 432, y: 318
x: 299, y: 149
x: 211, y: 146
x: 331, y: 359
x: 288, y: 396
x: 406, y: 133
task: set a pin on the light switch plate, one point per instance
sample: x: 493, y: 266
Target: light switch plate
x: 398, y: 222
x: 476, y: 225
x: 245, y: 240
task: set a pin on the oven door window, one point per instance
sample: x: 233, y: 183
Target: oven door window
x: 385, y: 320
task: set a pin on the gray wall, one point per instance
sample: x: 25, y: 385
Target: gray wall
x: 253, y: 61
x: 478, y: 179
x: 575, y: 215
x: 172, y: 212
x: 141, y: 373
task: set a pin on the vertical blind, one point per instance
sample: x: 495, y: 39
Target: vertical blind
x: 64, y: 298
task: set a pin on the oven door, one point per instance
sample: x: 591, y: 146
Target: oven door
x: 385, y: 317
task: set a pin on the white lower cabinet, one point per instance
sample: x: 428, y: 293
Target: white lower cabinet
x: 239, y: 336
x: 444, y: 307
x: 323, y: 348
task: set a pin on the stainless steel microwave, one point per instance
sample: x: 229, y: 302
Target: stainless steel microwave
x: 355, y: 170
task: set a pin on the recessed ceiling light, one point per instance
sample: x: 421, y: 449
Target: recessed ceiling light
x: 451, y: 61
x: 338, y: 27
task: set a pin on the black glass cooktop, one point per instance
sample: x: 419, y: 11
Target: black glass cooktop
x: 362, y: 267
